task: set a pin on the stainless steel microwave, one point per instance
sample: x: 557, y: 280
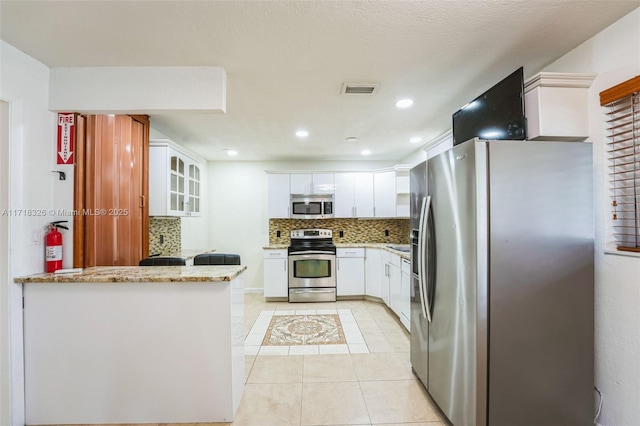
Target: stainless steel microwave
x: 311, y: 206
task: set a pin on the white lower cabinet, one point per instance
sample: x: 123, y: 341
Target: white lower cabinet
x: 394, y: 279
x: 350, y: 271
x: 373, y: 273
x: 276, y: 274
x: 405, y: 294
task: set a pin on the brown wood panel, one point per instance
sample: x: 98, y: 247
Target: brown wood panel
x: 620, y: 91
x: 79, y: 191
x: 116, y: 180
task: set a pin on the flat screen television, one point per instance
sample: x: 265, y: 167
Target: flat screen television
x: 496, y: 114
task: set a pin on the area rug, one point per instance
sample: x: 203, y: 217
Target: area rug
x: 292, y: 330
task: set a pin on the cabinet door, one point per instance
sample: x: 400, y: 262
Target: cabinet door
x: 395, y: 288
x: 363, y: 194
x: 278, y: 195
x: 193, y: 178
x: 384, y: 194
x: 405, y: 294
x: 384, y: 282
x: 373, y: 272
x: 323, y: 183
x: 350, y: 276
x: 177, y: 184
x: 344, y: 195
x: 276, y: 277
x: 158, y: 180
x: 301, y: 183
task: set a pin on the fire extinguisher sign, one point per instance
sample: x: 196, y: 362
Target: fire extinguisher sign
x: 66, y: 132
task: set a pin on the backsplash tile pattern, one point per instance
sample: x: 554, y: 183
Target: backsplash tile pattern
x: 169, y: 228
x: 354, y: 230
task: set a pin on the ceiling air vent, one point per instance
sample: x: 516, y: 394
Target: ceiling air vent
x: 359, y: 88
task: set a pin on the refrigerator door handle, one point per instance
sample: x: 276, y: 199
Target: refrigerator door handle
x: 426, y: 202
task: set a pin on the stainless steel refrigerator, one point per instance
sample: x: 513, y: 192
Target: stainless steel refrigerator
x: 502, y: 296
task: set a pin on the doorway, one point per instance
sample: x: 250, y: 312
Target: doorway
x: 11, y: 354
x: 5, y: 387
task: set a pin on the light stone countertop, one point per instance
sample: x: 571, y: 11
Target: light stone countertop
x: 138, y: 274
x: 383, y: 246
x: 187, y: 254
x: 276, y: 247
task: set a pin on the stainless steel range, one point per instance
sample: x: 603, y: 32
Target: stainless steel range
x: 312, y: 266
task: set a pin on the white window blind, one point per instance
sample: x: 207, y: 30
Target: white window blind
x: 623, y: 149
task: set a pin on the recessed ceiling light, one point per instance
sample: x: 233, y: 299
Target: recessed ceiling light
x: 302, y: 133
x: 404, y: 103
x: 366, y: 152
x: 415, y: 139
x: 351, y: 139
x: 231, y: 152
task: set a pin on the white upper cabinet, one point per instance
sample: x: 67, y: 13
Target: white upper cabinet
x: 278, y: 195
x: 384, y: 184
x: 402, y: 192
x: 391, y: 192
x: 557, y: 106
x: 353, y: 195
x: 312, y: 183
x: 174, y: 182
x: 193, y: 189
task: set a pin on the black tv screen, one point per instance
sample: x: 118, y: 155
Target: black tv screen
x: 496, y: 114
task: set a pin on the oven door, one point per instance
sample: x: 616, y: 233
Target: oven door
x: 312, y: 269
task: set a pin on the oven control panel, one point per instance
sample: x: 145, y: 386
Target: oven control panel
x: 311, y: 233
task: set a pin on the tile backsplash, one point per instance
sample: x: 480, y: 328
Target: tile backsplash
x: 164, y: 236
x: 353, y: 230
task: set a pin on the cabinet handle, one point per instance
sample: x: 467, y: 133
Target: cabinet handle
x: 285, y: 265
x: 356, y: 209
x: 338, y: 264
x: 141, y: 200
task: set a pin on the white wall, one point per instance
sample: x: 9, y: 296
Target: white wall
x: 24, y: 85
x: 614, y: 55
x: 237, y: 200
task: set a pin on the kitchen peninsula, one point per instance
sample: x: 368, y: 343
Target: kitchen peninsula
x: 160, y: 344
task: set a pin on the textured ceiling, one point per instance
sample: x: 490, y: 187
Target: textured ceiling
x: 286, y: 61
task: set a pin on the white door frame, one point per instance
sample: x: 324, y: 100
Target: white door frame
x: 12, y: 403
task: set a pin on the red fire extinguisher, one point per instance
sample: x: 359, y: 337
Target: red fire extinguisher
x: 53, y: 246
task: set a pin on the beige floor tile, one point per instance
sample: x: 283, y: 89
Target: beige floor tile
x: 434, y: 423
x: 405, y: 358
x: 362, y: 314
x: 388, y: 323
x: 398, y: 341
x: 333, y: 403
x: 379, y: 366
x: 248, y: 364
x: 368, y: 325
x: 270, y: 405
x: 277, y: 369
x: 329, y: 368
x: 377, y: 342
x: 397, y: 401
x: 175, y: 424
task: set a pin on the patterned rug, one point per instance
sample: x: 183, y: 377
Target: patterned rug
x: 290, y: 330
